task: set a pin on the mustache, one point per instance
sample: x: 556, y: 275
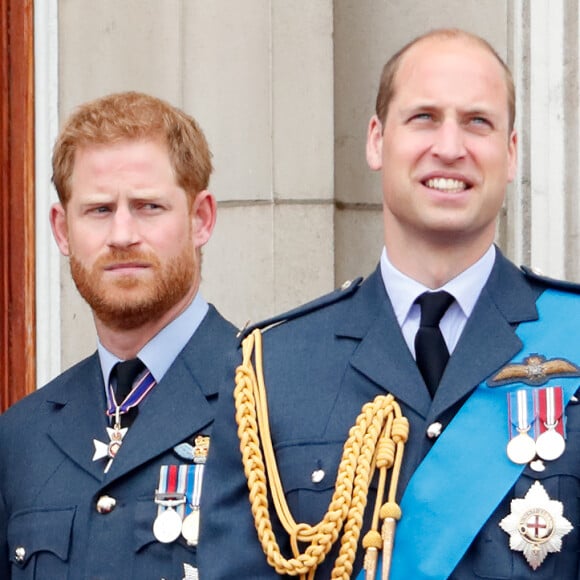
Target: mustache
x: 116, y: 255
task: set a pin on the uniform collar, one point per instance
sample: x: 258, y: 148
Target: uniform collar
x: 160, y: 352
x: 465, y: 287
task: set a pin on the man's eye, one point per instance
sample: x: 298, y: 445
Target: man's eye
x: 422, y: 117
x: 480, y: 121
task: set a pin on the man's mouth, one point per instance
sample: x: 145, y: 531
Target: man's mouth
x: 446, y: 184
x: 126, y: 266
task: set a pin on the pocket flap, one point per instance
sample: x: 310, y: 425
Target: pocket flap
x: 47, y: 530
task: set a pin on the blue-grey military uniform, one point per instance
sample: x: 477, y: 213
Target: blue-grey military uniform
x: 322, y: 362
x: 52, y: 494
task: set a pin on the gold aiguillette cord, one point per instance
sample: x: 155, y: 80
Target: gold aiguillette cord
x: 376, y: 441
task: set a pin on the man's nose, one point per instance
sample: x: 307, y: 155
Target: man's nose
x: 124, y: 229
x: 449, y: 144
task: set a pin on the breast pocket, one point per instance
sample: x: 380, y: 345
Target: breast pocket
x: 39, y: 543
x: 308, y: 472
x: 172, y: 560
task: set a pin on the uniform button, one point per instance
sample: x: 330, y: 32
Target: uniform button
x: 106, y: 504
x: 317, y: 475
x: 434, y: 430
x: 346, y: 285
x: 538, y: 465
x: 20, y: 553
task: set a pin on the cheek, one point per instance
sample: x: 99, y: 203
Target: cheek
x: 171, y: 241
x: 82, y: 244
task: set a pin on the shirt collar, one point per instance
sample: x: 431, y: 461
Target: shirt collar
x: 160, y: 352
x: 465, y: 287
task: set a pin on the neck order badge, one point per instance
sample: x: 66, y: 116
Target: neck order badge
x: 132, y: 387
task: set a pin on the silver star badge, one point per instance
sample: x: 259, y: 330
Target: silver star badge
x: 190, y: 572
x: 536, y: 525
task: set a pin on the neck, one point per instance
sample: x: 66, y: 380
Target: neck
x: 127, y: 342
x: 434, y: 265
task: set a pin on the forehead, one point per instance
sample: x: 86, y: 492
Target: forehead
x: 130, y: 155
x: 451, y: 68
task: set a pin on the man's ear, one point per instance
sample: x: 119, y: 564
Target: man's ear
x: 375, y: 144
x: 512, y: 156
x: 57, y: 218
x: 203, y: 215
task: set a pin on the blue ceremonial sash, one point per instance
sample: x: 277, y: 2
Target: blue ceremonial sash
x: 451, y: 496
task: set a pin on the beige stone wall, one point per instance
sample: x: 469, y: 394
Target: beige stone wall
x: 284, y: 90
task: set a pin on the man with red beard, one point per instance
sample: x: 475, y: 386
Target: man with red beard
x: 101, y: 471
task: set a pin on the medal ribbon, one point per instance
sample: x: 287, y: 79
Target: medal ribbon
x: 168, y: 486
x: 550, y: 405
x: 520, y: 409
x: 181, y: 480
x: 141, y: 389
x: 194, y: 483
x: 469, y: 460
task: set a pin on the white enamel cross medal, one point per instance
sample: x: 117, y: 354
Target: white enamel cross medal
x: 110, y: 449
x: 536, y: 525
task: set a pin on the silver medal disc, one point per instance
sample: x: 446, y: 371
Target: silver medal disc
x: 521, y: 449
x: 167, y: 526
x: 190, y: 528
x: 550, y: 445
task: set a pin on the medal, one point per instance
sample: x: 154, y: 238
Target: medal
x: 178, y: 497
x: 110, y: 449
x: 521, y: 447
x: 167, y: 526
x: 550, y: 444
x: 190, y: 527
x: 169, y: 495
x: 536, y: 525
x: 116, y: 433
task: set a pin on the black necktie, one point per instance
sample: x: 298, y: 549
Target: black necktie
x: 430, y: 349
x: 126, y: 373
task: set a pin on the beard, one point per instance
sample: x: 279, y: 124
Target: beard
x: 128, y: 302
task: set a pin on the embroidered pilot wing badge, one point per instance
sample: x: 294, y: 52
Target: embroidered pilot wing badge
x: 534, y: 370
x: 536, y: 525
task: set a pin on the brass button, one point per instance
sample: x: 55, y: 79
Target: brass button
x: 434, y: 430
x: 106, y: 504
x: 20, y: 554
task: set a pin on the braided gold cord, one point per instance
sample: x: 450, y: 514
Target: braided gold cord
x: 375, y: 441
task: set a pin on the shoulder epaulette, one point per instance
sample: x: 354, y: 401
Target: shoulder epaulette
x: 536, y: 275
x: 346, y: 290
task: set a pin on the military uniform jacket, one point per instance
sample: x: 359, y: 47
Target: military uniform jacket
x: 322, y: 362
x: 50, y: 528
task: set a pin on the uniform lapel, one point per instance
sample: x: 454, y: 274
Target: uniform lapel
x: 488, y: 340
x: 81, y: 415
x: 181, y: 404
x: 382, y: 355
